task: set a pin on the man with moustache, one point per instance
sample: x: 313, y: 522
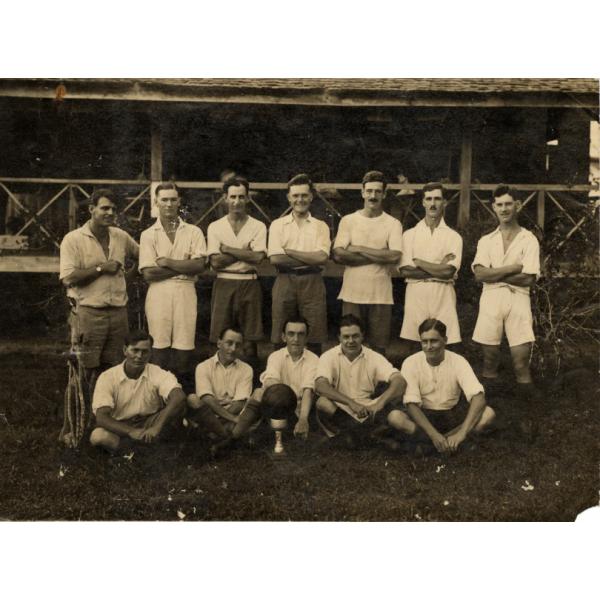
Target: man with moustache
x: 431, y: 258
x: 369, y: 243
x: 172, y: 254
x: 299, y: 246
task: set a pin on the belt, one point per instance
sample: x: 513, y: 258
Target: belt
x: 298, y: 270
x: 238, y: 276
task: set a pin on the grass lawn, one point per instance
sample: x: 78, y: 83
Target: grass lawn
x: 499, y: 478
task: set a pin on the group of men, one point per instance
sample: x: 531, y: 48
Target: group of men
x: 350, y: 384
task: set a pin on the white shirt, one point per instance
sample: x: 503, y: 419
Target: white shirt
x: 130, y: 398
x: 356, y: 379
x: 80, y: 249
x: 285, y: 233
x: 155, y: 243
x: 226, y: 384
x: 438, y: 388
x: 421, y: 242
x: 368, y: 284
x: 252, y: 236
x: 523, y: 250
x: 299, y: 374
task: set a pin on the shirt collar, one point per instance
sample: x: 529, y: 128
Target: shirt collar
x: 287, y: 354
x: 158, y: 225
x: 218, y: 362
x: 340, y: 352
x: 85, y: 229
x: 441, y: 224
x: 289, y: 218
x: 498, y: 232
x: 122, y: 375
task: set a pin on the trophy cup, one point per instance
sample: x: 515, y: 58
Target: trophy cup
x: 278, y: 403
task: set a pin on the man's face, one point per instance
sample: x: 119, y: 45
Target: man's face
x: 168, y: 203
x: 506, y: 208
x: 351, y: 339
x: 294, y: 337
x: 230, y: 346
x: 300, y: 198
x: 237, y: 198
x: 103, y: 213
x: 434, y: 203
x: 137, y: 355
x: 433, y: 344
x: 373, y: 193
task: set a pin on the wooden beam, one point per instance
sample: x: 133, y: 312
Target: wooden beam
x: 466, y: 162
x: 541, y: 209
x: 156, y: 153
x: 29, y: 264
x: 72, y: 209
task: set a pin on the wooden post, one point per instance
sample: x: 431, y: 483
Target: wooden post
x: 156, y: 155
x: 466, y: 160
x: 541, y: 209
x: 72, y: 209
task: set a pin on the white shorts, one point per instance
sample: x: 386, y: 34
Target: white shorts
x: 171, y: 310
x: 430, y: 300
x: 503, y: 308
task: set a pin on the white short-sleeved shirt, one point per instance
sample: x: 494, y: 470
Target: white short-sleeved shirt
x: 285, y: 233
x: 252, y: 236
x: 438, y: 388
x: 226, y: 384
x: 81, y: 250
x: 368, y: 284
x: 524, y: 250
x: 130, y: 398
x: 155, y: 243
x: 421, y: 242
x: 356, y: 379
x: 299, y: 374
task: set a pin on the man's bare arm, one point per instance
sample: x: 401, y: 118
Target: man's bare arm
x: 520, y: 279
x: 105, y: 420
x: 82, y: 277
x: 439, y: 271
x: 351, y: 259
x: 246, y: 255
x: 151, y: 274
x: 216, y: 407
x: 414, y: 273
x: 189, y: 266
x: 381, y: 256
x: 316, y: 258
x: 417, y: 415
x: 221, y: 261
x: 494, y: 275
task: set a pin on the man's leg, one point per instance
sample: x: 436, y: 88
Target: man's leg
x: 105, y: 439
x: 520, y: 358
x: 283, y: 306
x: 248, y: 313
x: 380, y: 325
x: 161, y: 357
x: 491, y: 361
x: 400, y: 421
x: 250, y: 415
x: 184, y: 332
x: 332, y: 419
x: 181, y: 366
x: 312, y: 305
x: 202, y: 413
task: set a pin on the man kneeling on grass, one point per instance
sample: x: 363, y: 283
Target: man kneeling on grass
x: 136, y: 399
x: 434, y: 380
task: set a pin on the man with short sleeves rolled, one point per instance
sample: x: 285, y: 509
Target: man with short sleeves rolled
x: 299, y: 246
x: 431, y: 258
x: 434, y: 379
x: 172, y: 254
x: 237, y: 244
x: 369, y: 243
x: 347, y: 382
x: 507, y: 262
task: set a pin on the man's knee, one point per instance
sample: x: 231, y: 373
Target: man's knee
x: 325, y: 405
x: 194, y: 402
x: 487, y: 418
x: 401, y: 421
x: 104, y: 438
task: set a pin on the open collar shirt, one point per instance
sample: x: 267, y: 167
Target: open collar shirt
x: 285, y: 233
x: 226, y: 383
x: 299, y: 374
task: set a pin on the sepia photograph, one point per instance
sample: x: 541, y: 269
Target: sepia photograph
x: 299, y: 299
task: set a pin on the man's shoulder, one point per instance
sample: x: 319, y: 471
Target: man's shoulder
x: 486, y: 237
x: 329, y: 354
x: 217, y: 223
x: 310, y: 356
x: 413, y: 360
x: 457, y: 359
x: 111, y: 375
x: 255, y: 223
x: 76, y: 235
x: 244, y: 367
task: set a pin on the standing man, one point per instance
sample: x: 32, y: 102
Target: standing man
x: 346, y: 382
x: 172, y: 254
x: 299, y: 246
x: 508, y: 263
x: 431, y: 258
x: 434, y: 379
x: 369, y: 243
x: 237, y: 243
x: 92, y: 260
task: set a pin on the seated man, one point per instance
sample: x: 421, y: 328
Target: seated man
x: 223, y: 384
x: 434, y: 380
x: 346, y: 380
x: 290, y: 367
x: 135, y: 399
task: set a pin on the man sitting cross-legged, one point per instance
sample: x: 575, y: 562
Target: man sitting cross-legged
x: 223, y: 385
x: 293, y: 366
x: 135, y: 399
x: 434, y: 380
x: 347, y: 376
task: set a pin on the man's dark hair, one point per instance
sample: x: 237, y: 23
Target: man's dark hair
x: 502, y: 189
x: 434, y: 185
x: 138, y: 335
x: 370, y: 176
x: 301, y: 179
x: 167, y: 185
x: 350, y: 320
x: 229, y: 328
x: 102, y: 193
x: 296, y: 320
x: 429, y: 324
x: 235, y: 181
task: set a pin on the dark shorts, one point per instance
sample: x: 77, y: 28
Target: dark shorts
x: 300, y: 296
x: 236, y: 302
x: 100, y: 334
x: 445, y: 420
x: 377, y: 319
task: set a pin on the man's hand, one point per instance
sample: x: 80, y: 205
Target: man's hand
x: 448, y: 258
x: 111, y: 267
x: 440, y: 443
x: 301, y: 429
x: 136, y: 434
x: 151, y: 434
x: 455, y: 440
x: 360, y: 410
